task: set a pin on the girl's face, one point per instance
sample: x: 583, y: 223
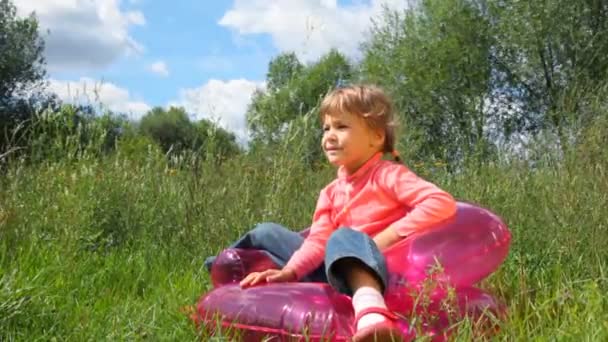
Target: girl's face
x: 348, y: 141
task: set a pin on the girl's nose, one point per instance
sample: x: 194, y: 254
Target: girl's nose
x: 330, y: 135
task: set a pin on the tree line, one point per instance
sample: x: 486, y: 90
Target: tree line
x: 471, y: 79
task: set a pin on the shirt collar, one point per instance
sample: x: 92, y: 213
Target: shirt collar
x: 343, y: 174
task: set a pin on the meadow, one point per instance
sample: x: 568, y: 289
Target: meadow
x: 105, y: 221
x: 111, y: 248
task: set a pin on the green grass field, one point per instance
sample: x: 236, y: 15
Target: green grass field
x: 112, y: 248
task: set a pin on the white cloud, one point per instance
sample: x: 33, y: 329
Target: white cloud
x: 224, y: 102
x: 159, y: 68
x: 108, y: 95
x: 136, y: 18
x: 84, y: 34
x: 308, y: 27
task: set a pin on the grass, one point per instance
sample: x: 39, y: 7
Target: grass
x: 112, y: 248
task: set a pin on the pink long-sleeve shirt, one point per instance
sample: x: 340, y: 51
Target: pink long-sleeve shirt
x: 380, y: 195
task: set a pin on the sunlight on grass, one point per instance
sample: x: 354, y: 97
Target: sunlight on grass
x: 112, y: 248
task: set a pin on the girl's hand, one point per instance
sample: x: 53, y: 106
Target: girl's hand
x: 269, y: 276
x: 386, y: 238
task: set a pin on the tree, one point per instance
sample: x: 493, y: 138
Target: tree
x: 434, y: 61
x: 171, y: 128
x: 215, y: 140
x: 551, y: 56
x: 282, y: 70
x: 70, y: 130
x: 294, y: 92
x: 21, y: 59
x: 270, y: 108
x: 174, y: 132
x: 21, y: 75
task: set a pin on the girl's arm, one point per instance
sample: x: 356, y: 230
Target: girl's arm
x: 310, y: 255
x: 386, y: 238
x: 428, y: 204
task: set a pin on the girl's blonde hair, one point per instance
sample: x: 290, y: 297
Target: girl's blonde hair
x: 370, y: 103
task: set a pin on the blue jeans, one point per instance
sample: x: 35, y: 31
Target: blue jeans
x: 279, y: 243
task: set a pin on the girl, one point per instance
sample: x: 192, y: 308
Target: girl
x: 371, y: 205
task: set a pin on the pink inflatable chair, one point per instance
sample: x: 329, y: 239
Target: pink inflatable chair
x: 432, y: 274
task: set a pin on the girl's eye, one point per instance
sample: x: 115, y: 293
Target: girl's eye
x: 338, y: 127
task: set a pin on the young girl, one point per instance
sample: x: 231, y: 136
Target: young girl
x: 372, y: 204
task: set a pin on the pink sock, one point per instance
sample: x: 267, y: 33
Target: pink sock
x: 366, y: 297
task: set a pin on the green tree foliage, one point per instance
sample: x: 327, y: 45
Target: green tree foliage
x: 468, y: 75
x: 293, y: 94
x: 214, y: 140
x: 434, y: 61
x: 174, y: 132
x: 21, y: 70
x: 21, y: 59
x: 171, y: 128
x: 283, y: 69
x: 551, y: 56
x: 71, y: 132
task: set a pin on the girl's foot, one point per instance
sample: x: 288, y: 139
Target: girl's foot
x: 367, y: 297
x: 374, y: 322
x: 385, y: 330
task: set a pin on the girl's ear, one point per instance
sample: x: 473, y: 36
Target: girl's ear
x: 379, y: 137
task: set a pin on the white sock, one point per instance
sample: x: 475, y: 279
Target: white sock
x: 364, y: 298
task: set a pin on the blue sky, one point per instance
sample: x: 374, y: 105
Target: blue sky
x: 207, y: 56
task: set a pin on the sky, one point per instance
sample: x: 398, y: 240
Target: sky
x: 206, y: 56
